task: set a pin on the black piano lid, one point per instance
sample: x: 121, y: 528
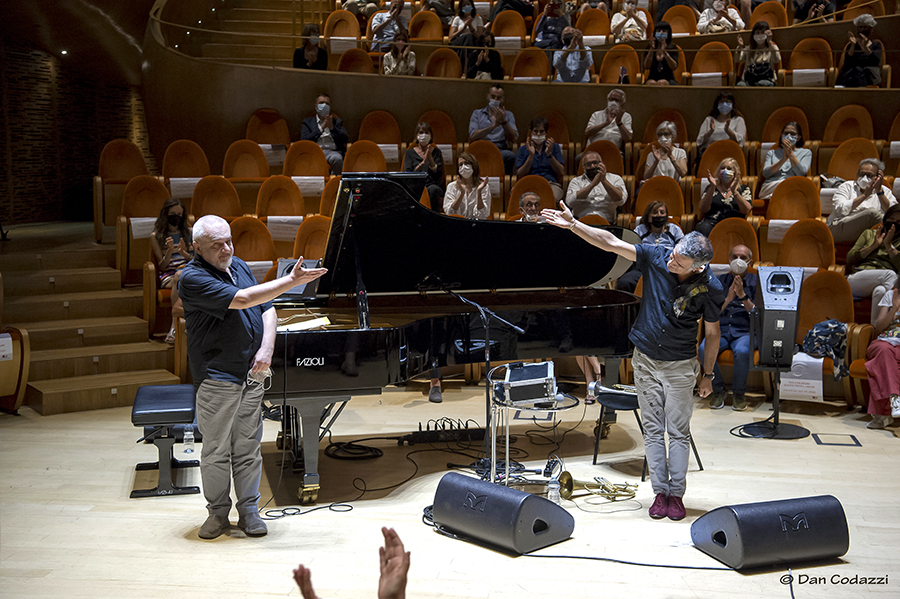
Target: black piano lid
x: 401, y: 246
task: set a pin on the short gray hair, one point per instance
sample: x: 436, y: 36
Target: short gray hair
x: 667, y: 126
x: 696, y: 247
x: 624, y: 99
x: 205, y: 225
x: 873, y: 162
x: 525, y: 195
x: 864, y: 20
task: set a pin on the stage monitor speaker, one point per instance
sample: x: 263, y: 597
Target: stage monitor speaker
x: 497, y: 515
x: 751, y: 535
x: 778, y: 304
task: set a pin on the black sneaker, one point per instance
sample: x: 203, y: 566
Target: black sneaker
x: 739, y: 403
x: 717, y: 400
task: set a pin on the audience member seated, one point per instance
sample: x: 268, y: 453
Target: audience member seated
x: 465, y: 29
x: 665, y: 157
x: 327, y: 130
x: 541, y: 156
x: 596, y: 191
x: 423, y: 156
x: 813, y: 11
x: 860, y: 204
x: 588, y: 4
x: 573, y: 63
x: 663, y: 5
x: 548, y: 34
x: 363, y: 9
x: 661, y: 57
x: 172, y: 248
x: 401, y: 60
x: 723, y: 122
x: 385, y: 26
x: 875, y: 260
x: 311, y: 55
x: 523, y: 7
x: 629, y: 24
x: 883, y: 362
x: 442, y: 8
x: 724, y: 197
x: 488, y: 64
x: 497, y: 125
x: 787, y: 159
x: 734, y: 323
x: 611, y: 123
x: 862, y: 56
x: 719, y: 19
x: 654, y: 229
x: 760, y: 59
x: 468, y: 196
x: 530, y: 208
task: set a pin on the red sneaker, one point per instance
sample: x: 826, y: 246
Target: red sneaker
x: 660, y: 507
x: 676, y: 508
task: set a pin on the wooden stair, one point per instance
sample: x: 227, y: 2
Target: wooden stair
x: 89, y: 345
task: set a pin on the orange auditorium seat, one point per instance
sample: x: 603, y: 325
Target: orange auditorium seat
x: 267, y: 126
x: 120, y: 160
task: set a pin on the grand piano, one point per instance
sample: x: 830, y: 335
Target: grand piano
x: 392, y: 264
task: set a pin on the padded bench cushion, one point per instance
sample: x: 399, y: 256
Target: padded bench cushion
x: 163, y: 405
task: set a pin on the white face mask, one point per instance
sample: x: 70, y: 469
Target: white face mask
x: 791, y: 139
x: 314, y: 40
x: 760, y: 38
x: 738, y: 266
x: 613, y: 104
x: 465, y: 171
x: 864, y: 181
x: 494, y: 103
x: 423, y: 138
x: 725, y: 107
x: 538, y: 139
x: 665, y: 140
x: 726, y: 174
x: 717, y: 6
x: 323, y: 109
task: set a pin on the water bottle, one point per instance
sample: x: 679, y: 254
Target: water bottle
x: 189, y: 441
x: 553, y: 490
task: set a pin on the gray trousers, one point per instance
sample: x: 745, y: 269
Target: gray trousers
x: 875, y: 282
x: 665, y: 391
x: 230, y: 419
x: 335, y: 161
x: 851, y: 226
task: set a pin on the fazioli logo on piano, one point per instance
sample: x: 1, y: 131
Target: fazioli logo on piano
x: 310, y: 361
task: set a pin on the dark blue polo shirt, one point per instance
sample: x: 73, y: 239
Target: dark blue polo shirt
x: 735, y: 315
x: 221, y: 342
x: 666, y: 326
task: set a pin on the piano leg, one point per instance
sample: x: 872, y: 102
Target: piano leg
x: 307, y: 416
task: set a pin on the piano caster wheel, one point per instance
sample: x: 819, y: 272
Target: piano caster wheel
x: 308, y: 496
x: 604, y: 430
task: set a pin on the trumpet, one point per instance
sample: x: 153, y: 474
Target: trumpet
x: 568, y: 486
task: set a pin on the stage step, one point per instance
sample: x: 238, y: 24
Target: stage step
x: 84, y: 361
x: 85, y: 332
x: 57, y: 260
x: 56, y: 281
x: 63, y: 306
x: 76, y: 394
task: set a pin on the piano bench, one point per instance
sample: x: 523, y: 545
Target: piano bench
x: 165, y: 411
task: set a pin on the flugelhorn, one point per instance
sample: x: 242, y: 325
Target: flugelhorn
x: 568, y: 486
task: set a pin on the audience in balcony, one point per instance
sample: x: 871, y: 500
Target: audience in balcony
x: 385, y: 26
x: 787, y: 158
x: 589, y: 4
x: 327, y: 130
x: 468, y: 195
x: 497, y: 125
x: 401, y: 60
x: 861, y: 60
x: 661, y: 57
x: 875, y: 260
x: 860, y: 204
x: 813, y: 11
x: 423, y: 156
x: 663, y: 5
x: 724, y: 197
x: 654, y: 229
x: 487, y: 62
x: 760, y: 58
x: 612, y: 123
x: 172, y: 249
x: 465, y: 29
x: 665, y: 157
x: 573, y: 63
x: 723, y: 122
x: 442, y: 8
x: 541, y: 156
x: 552, y: 22
x: 719, y: 19
x: 596, y: 191
x: 311, y: 55
x: 629, y: 24
x: 523, y: 7
x: 883, y: 362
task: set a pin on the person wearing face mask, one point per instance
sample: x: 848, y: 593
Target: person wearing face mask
x: 720, y: 18
x: 310, y: 55
x: 760, y: 59
x: 468, y: 196
x: 654, y: 229
x: 596, y: 191
x: 724, y: 197
x: 861, y: 60
x: 423, y: 156
x: 814, y: 11
x: 442, y: 8
x: 723, y: 123
x: 629, y: 24
x: 860, y: 204
x: 465, y: 29
x: 401, y: 60
x: 327, y: 130
x: 573, y: 63
x: 550, y: 26
x: 541, y: 156
x: 385, y: 26
x: 497, y: 125
x: 488, y: 63
x: 883, y: 362
x: 788, y: 158
x: 171, y: 245
x: 530, y: 208
x: 734, y: 324
x: 612, y: 123
x: 523, y: 7
x: 875, y: 260
x: 661, y: 58
x: 665, y: 158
